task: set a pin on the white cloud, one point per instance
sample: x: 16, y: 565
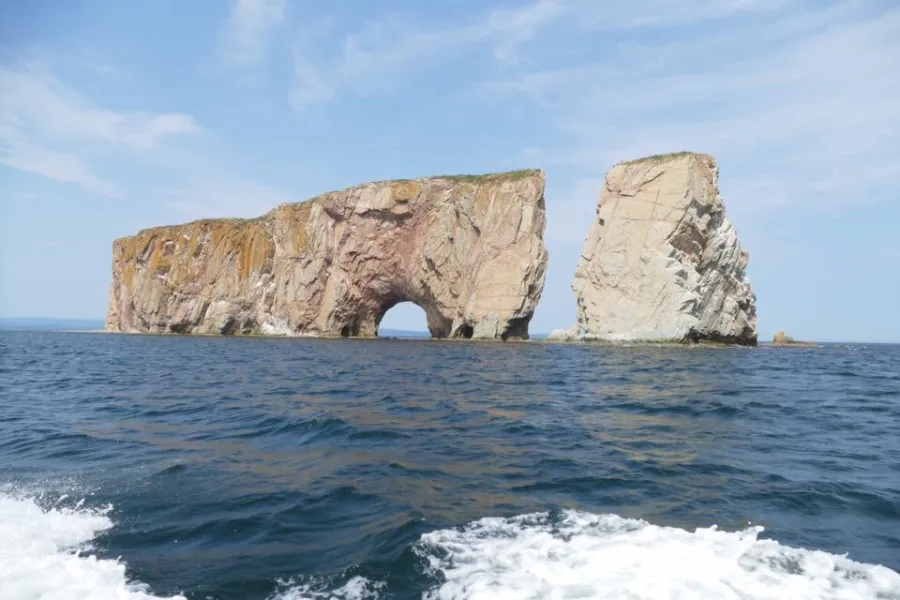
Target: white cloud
x: 389, y: 49
x: 797, y: 99
x: 662, y: 14
x: 310, y: 85
x: 93, y: 62
x: 47, y: 128
x: 55, y: 165
x: 220, y: 195
x: 799, y: 109
x: 384, y: 51
x: 36, y: 101
x: 511, y: 27
x: 244, y: 39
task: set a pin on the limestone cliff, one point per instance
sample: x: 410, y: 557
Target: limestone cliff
x: 662, y: 262
x: 469, y: 250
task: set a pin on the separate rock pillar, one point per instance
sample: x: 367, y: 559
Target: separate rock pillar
x: 662, y: 262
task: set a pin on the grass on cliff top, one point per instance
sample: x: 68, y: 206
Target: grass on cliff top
x: 504, y: 176
x: 204, y: 221
x: 510, y: 175
x: 661, y: 157
x: 483, y: 178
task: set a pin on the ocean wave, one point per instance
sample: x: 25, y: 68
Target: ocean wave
x: 45, y: 552
x: 358, y: 588
x: 581, y: 555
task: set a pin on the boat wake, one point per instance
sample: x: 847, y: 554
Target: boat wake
x: 47, y: 553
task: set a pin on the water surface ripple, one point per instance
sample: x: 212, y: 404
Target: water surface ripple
x: 262, y: 468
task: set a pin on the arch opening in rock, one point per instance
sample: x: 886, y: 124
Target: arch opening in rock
x: 436, y: 323
x: 404, y: 319
x: 468, y: 250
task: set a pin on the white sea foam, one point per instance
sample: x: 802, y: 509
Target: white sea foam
x: 581, y: 555
x: 358, y: 588
x: 45, y: 553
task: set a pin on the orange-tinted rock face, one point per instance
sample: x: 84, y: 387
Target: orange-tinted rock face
x: 468, y: 250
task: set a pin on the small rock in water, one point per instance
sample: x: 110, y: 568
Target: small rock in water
x: 781, y: 338
x: 565, y: 335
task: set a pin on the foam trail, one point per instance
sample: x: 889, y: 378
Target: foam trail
x: 358, y: 588
x: 575, y: 555
x: 44, y: 554
x: 584, y: 556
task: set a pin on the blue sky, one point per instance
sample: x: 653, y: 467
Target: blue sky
x: 115, y: 116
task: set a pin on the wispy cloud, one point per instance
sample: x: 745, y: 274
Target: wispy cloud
x: 508, y: 28
x: 800, y: 107
x: 221, y: 195
x: 384, y: 51
x: 47, y: 128
x: 93, y: 62
x: 55, y: 165
x: 661, y: 14
x: 391, y: 48
x: 786, y: 93
x: 37, y: 101
x: 245, y: 37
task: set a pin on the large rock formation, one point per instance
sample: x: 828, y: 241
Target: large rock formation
x: 662, y: 262
x: 469, y: 250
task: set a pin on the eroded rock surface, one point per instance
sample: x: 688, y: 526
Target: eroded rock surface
x: 662, y: 262
x: 469, y: 250
x: 782, y: 339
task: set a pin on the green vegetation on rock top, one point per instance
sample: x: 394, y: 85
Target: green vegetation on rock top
x: 483, y: 178
x: 510, y: 175
x: 660, y: 157
x: 214, y: 222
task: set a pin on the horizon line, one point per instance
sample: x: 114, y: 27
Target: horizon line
x: 425, y: 331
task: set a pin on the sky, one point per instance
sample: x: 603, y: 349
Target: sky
x: 116, y: 116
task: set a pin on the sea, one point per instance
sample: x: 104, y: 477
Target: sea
x: 145, y: 467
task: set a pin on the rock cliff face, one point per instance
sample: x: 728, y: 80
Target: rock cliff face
x: 468, y: 250
x: 662, y: 262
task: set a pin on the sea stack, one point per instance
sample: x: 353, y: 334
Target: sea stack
x: 782, y: 339
x: 468, y: 250
x: 662, y: 262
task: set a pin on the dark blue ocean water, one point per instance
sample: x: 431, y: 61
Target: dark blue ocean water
x: 282, y: 468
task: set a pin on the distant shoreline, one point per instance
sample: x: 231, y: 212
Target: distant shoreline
x: 96, y: 326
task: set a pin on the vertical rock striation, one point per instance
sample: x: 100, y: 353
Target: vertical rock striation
x: 662, y: 262
x: 469, y: 250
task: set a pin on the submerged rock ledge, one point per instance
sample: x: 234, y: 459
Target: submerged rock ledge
x: 468, y: 250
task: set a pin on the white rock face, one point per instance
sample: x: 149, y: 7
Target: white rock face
x: 469, y: 250
x: 564, y: 335
x: 662, y: 262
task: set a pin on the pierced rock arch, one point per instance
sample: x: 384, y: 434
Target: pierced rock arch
x: 468, y: 250
x: 439, y: 326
